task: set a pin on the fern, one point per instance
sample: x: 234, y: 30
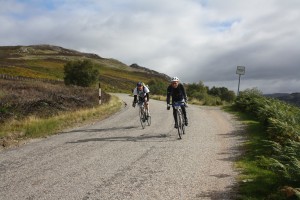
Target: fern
x: 282, y: 122
x: 281, y: 130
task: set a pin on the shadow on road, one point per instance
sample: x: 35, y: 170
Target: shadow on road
x: 124, y: 138
x: 144, y: 137
x: 102, y: 129
x: 231, y: 155
x: 236, y: 151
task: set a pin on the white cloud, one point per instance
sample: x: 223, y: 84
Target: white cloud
x: 192, y: 39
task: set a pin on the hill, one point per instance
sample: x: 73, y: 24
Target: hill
x: 33, y: 93
x: 293, y: 98
x: 46, y: 62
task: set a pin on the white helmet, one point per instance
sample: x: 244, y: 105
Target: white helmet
x: 174, y: 79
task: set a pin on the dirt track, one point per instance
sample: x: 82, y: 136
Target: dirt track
x: 117, y: 159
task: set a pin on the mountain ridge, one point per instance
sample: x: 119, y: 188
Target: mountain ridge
x: 46, y: 61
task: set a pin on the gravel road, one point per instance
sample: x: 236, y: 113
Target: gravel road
x: 117, y: 159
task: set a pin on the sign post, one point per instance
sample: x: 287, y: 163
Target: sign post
x: 99, y: 94
x: 240, y: 70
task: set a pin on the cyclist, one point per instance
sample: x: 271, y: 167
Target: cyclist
x: 142, y: 92
x: 177, y: 91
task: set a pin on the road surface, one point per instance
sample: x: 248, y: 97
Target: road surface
x: 117, y: 159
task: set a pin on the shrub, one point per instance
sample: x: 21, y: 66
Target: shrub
x: 81, y: 73
x: 157, y: 87
x: 281, y: 121
x: 223, y: 93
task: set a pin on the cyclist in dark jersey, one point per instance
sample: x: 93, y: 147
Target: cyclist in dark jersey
x: 177, y: 92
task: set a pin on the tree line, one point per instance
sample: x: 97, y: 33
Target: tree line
x: 198, y: 92
x: 85, y: 73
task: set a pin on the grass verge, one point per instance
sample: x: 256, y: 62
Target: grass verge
x: 158, y: 97
x: 12, y: 133
x: 255, y: 180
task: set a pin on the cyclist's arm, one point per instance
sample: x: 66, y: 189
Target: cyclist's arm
x: 135, y: 95
x: 135, y: 98
x: 168, y: 94
x: 147, y: 95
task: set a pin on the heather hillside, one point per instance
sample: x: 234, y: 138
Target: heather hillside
x: 47, y: 62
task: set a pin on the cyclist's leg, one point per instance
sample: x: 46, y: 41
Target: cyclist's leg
x: 185, y: 115
x: 147, y: 108
x: 148, y: 111
x: 141, y: 100
x: 175, y: 117
x: 144, y: 100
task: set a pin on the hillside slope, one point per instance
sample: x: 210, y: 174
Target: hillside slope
x: 293, y: 98
x: 47, y: 62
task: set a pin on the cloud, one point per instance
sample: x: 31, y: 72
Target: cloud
x: 192, y: 39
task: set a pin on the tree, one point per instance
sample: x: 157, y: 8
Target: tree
x: 223, y: 93
x: 81, y: 73
x: 157, y: 87
x: 195, y: 90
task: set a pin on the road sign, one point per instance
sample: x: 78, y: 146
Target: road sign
x: 240, y: 70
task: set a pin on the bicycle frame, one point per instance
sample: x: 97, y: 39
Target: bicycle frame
x: 180, y: 119
x: 143, y: 115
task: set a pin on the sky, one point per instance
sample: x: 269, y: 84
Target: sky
x: 195, y: 40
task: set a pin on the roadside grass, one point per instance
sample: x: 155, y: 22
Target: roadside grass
x: 2, y: 93
x: 196, y: 102
x: 33, y: 127
x: 255, y: 181
x: 159, y: 97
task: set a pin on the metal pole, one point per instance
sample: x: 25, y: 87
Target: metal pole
x: 239, y: 85
x: 99, y: 94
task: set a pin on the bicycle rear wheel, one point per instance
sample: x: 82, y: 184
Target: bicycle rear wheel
x: 149, y: 120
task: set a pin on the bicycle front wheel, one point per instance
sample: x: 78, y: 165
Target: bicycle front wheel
x: 179, y: 122
x: 142, y: 118
x: 183, y: 127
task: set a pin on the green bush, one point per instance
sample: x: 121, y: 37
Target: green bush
x: 211, y: 100
x: 157, y: 87
x: 81, y: 73
x: 197, y: 91
x: 223, y: 93
x: 281, y: 121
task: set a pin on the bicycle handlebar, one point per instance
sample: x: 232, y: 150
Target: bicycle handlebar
x: 179, y: 103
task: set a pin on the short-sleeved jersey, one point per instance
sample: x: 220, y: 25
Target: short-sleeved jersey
x: 141, y: 93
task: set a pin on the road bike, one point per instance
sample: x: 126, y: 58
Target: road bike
x: 180, y: 118
x: 144, y: 118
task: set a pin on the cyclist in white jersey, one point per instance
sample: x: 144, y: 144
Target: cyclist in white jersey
x: 141, y: 93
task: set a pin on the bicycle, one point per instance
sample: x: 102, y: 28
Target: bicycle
x: 143, y: 115
x: 180, y: 118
